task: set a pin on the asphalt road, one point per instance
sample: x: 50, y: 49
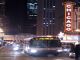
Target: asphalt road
x: 6, y: 53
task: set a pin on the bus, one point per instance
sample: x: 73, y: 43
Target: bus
x: 44, y: 46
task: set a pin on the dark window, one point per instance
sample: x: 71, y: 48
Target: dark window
x: 45, y: 43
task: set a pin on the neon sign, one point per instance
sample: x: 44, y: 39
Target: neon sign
x: 68, y: 18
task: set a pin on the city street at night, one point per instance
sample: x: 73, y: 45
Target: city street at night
x: 6, y: 53
x: 39, y: 29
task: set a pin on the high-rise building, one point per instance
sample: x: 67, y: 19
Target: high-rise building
x: 50, y: 17
x: 31, y: 16
x: 77, y: 16
x: 4, y: 22
x: 16, y: 14
x: 3, y: 18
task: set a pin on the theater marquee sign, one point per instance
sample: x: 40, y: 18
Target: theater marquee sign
x: 68, y: 17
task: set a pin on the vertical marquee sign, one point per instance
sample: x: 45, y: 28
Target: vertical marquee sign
x: 68, y: 17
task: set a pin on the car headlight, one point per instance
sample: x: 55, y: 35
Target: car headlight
x: 71, y: 54
x: 16, y: 48
x: 16, y: 45
x: 27, y: 48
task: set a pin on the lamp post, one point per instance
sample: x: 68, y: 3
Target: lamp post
x: 61, y: 35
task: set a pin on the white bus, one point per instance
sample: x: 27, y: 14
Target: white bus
x: 44, y: 46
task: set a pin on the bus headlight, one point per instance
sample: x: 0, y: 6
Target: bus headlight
x: 27, y: 48
x: 60, y: 50
x: 66, y: 50
x: 30, y: 50
x: 33, y: 51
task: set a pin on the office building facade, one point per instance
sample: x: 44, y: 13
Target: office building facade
x: 31, y: 16
x: 4, y: 23
x: 49, y: 20
x: 77, y: 17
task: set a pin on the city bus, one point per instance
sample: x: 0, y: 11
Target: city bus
x: 44, y: 46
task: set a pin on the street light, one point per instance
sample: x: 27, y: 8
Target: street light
x: 61, y: 35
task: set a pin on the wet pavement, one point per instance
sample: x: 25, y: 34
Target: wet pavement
x: 6, y: 53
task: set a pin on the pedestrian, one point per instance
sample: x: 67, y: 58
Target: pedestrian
x: 72, y: 47
x: 77, y: 52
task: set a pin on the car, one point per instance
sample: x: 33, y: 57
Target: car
x: 72, y: 54
x: 17, y: 47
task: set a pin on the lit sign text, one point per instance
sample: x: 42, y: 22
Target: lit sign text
x: 68, y: 18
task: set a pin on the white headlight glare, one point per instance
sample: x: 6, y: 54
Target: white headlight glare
x: 70, y: 54
x: 15, y: 44
x: 33, y: 51
x: 67, y: 50
x: 15, y: 48
x: 60, y: 50
x: 27, y: 48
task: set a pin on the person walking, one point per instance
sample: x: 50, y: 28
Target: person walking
x: 72, y: 47
x: 77, y: 52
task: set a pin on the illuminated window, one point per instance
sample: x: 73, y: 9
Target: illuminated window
x: 53, y: 6
x: 43, y: 23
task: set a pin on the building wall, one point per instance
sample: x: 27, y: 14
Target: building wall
x: 31, y: 17
x: 77, y: 18
x: 40, y: 17
x: 16, y: 37
x: 48, y: 20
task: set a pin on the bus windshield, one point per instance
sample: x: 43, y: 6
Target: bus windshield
x: 45, y: 43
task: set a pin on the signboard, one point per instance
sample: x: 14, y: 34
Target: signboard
x: 45, y: 38
x: 68, y: 17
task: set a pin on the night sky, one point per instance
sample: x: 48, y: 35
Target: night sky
x: 16, y: 11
